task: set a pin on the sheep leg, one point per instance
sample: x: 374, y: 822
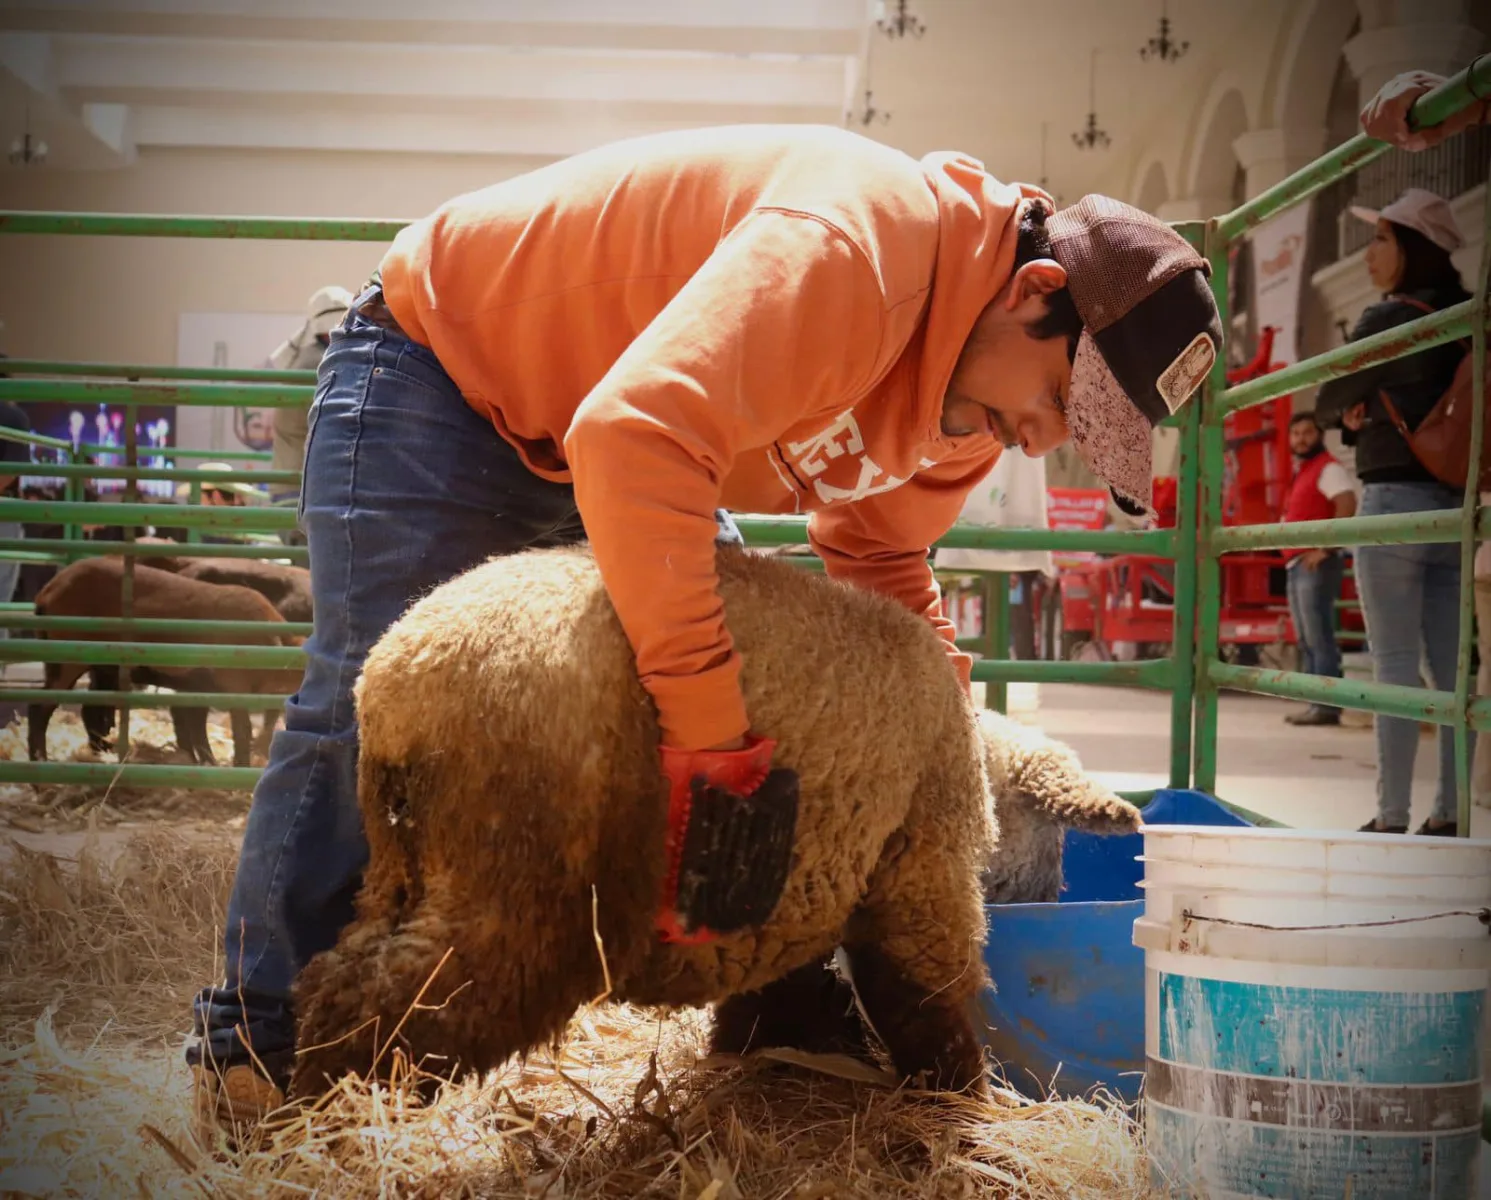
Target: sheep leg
x: 39, y: 716
x: 190, y: 725
x: 267, y: 725
x: 465, y: 990
x: 99, y: 719
x: 915, y: 950
x: 392, y: 984
x: 243, y: 736
x: 811, y: 1008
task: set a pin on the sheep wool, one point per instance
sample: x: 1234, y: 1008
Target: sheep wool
x: 514, y: 808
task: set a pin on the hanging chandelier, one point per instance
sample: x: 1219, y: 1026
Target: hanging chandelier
x: 27, y: 151
x: 1091, y: 135
x: 903, y: 22
x: 869, y: 114
x: 1162, y: 47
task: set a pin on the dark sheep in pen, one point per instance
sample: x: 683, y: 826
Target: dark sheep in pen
x: 288, y: 588
x: 515, y: 812
x: 91, y: 588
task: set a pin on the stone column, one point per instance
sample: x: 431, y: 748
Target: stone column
x: 1408, y: 35
x: 1268, y: 156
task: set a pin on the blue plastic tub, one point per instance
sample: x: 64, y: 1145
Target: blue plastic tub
x: 1067, y: 1007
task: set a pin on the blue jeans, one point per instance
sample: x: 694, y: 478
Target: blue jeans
x: 405, y: 488
x: 1411, y: 603
x: 1312, y: 604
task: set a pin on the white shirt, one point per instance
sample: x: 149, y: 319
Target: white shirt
x: 1333, y: 481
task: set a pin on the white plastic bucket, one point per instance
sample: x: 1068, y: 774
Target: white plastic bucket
x: 1287, y: 1060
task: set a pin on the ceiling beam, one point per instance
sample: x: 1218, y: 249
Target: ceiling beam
x: 787, y: 26
x: 328, y: 132
x: 104, y: 63
x: 717, y: 14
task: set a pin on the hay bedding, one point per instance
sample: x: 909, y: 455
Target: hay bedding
x: 49, y: 808
x: 101, y: 957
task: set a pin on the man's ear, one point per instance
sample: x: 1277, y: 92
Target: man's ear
x: 1039, y: 277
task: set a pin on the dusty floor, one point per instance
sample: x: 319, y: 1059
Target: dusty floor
x: 1315, y: 778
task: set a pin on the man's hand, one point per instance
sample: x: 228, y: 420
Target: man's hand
x: 1354, y: 417
x: 731, y: 821
x: 1385, y: 116
x: 1311, y: 559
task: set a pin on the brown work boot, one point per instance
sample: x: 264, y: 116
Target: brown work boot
x: 230, y: 1102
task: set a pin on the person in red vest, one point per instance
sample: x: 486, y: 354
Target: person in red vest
x: 1321, y: 490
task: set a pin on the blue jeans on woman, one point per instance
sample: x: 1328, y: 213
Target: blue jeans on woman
x: 405, y: 487
x: 1411, y: 601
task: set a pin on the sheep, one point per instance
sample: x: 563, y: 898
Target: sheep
x: 1039, y: 790
x: 514, y: 810
x: 91, y: 588
x: 287, y: 588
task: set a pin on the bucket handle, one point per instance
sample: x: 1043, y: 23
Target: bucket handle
x: 1483, y: 915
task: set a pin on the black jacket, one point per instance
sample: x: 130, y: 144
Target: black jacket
x: 1415, y: 384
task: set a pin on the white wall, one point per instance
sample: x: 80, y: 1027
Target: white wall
x: 118, y: 299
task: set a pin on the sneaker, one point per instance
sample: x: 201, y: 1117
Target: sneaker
x: 1373, y: 827
x: 1314, y: 716
x: 230, y: 1102
x: 1449, y: 829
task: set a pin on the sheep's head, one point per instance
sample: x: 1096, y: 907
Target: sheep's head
x: 1039, y: 790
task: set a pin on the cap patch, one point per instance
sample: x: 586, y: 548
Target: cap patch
x: 1189, y: 370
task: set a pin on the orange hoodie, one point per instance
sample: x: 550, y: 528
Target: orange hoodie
x: 763, y: 319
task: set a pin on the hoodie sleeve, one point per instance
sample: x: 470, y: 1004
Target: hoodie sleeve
x: 784, y: 317
x: 884, y: 542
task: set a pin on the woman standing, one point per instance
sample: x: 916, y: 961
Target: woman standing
x: 1410, y: 594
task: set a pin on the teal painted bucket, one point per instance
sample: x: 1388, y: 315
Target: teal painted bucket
x: 1315, y: 1013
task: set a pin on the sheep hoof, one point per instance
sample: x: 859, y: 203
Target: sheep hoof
x: 811, y: 1009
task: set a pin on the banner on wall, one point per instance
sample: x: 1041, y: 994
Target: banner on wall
x: 1279, y: 246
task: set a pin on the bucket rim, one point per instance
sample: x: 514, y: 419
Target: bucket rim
x: 1315, y: 836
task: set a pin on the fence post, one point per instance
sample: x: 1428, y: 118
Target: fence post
x: 1183, y: 621
x: 997, y: 635
x: 1209, y: 519
x: 1464, y: 740
x: 127, y: 581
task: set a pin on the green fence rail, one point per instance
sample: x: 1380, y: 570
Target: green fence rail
x: 1458, y: 709
x: 1194, y: 674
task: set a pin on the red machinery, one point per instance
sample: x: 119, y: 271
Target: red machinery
x: 1123, y: 606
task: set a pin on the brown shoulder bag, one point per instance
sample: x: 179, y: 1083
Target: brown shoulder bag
x: 1442, y: 440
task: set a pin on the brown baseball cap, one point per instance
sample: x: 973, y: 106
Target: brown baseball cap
x: 1151, y: 334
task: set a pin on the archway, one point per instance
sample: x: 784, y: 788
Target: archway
x: 1154, y: 189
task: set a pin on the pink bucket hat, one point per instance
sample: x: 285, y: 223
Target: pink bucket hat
x: 1420, y: 210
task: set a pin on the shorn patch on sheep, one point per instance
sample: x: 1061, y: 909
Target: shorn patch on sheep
x: 515, y: 808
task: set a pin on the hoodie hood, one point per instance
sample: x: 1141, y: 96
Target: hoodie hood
x: 978, y: 227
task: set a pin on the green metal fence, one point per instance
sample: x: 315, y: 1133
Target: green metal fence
x: 1193, y: 674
